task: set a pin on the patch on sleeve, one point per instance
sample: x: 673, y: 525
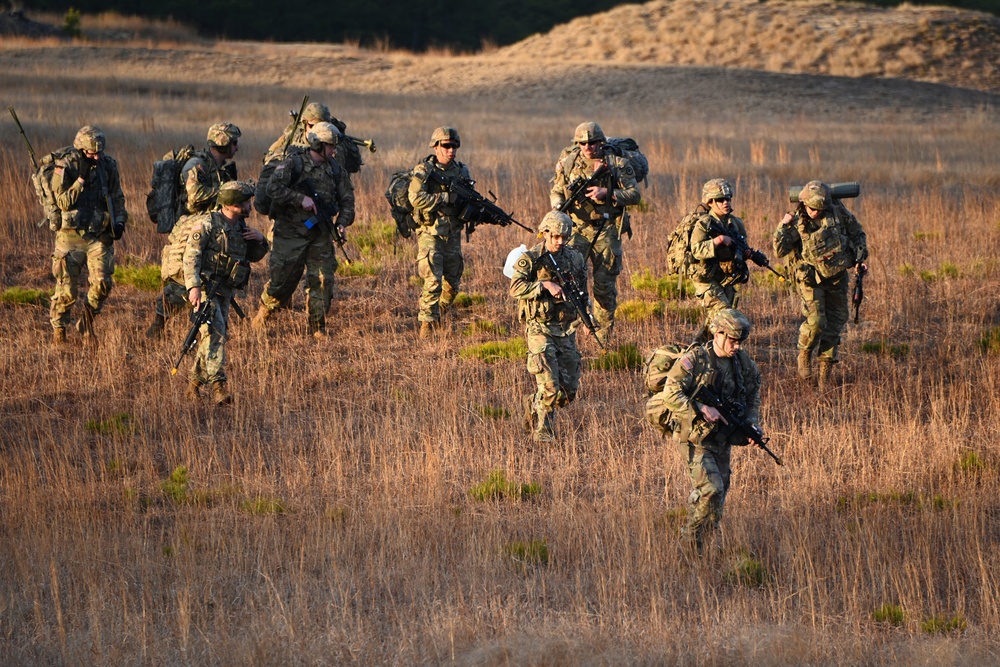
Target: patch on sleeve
x: 524, y: 265
x: 687, y: 363
x: 629, y: 171
x: 196, y: 236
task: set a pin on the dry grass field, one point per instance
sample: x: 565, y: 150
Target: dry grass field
x: 335, y: 514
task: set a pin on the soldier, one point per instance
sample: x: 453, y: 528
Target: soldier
x: 200, y: 179
x: 313, y: 113
x: 703, y: 437
x: 439, y: 231
x: 716, y: 270
x: 88, y: 192
x: 216, y: 263
x: 596, y: 217
x: 307, y: 190
x: 825, y: 240
x: 550, y: 321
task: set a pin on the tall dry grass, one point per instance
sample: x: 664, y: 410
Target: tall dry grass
x: 327, y: 517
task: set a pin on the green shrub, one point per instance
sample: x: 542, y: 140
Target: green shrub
x: 71, y: 23
x: 146, y: 277
x: 535, y: 552
x: 261, y: 506
x: 948, y: 270
x: 175, y: 487
x: 906, y: 269
x: 493, y: 351
x: 903, y: 498
x: 378, y: 234
x: 637, y: 310
x: 358, y: 268
x: 24, y: 297
x: 486, y: 327
x: 989, y: 342
x: 943, y: 624
x: 119, y: 423
x: 665, y: 287
x: 690, y: 314
x: 746, y: 571
x: 882, y: 347
x: 970, y: 462
x: 926, y: 236
x: 892, y: 614
x: 496, y: 486
x: 492, y: 412
x: 463, y: 300
x: 625, y: 357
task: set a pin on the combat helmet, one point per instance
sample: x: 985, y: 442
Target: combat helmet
x: 588, y: 132
x: 556, y: 222
x: 815, y: 195
x: 221, y: 135
x: 90, y: 138
x: 717, y: 188
x: 731, y: 322
x: 316, y: 113
x: 322, y: 133
x: 232, y: 193
x: 445, y: 134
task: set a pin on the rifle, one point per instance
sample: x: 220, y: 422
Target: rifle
x: 859, y: 288
x: 296, y: 119
x: 744, y: 252
x: 324, y: 213
x: 106, y: 191
x: 31, y: 154
x: 578, y: 188
x: 732, y: 412
x: 475, y: 209
x: 201, y: 316
x: 367, y: 143
x: 575, y: 294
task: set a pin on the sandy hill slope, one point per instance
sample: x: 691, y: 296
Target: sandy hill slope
x: 931, y: 44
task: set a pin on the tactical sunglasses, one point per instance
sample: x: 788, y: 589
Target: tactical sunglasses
x: 448, y: 145
x: 590, y: 143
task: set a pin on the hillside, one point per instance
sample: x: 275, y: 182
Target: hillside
x: 932, y: 44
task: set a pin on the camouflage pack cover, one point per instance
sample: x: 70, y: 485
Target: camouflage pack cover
x: 164, y: 204
x: 42, y: 182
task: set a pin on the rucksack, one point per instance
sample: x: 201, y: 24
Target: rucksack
x: 42, y: 180
x: 659, y: 363
x: 399, y: 201
x: 262, y: 200
x: 627, y: 148
x: 164, y: 203
x: 679, y: 256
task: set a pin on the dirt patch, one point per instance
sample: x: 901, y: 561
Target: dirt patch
x: 931, y: 44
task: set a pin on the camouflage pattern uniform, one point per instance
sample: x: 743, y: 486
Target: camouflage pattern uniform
x: 715, y: 274
x: 297, y: 247
x: 550, y: 327
x: 823, y: 250
x: 312, y: 114
x: 200, y: 179
x: 87, y: 232
x: 217, y: 252
x: 704, y: 446
x: 439, y: 235
x: 595, y: 225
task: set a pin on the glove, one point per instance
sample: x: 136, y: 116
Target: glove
x: 118, y: 229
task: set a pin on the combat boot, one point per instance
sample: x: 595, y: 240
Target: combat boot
x: 155, y: 330
x: 825, y: 369
x: 805, y: 364
x: 260, y: 319
x: 428, y: 329
x: 221, y: 395
x: 193, y: 392
x: 58, y: 337
x: 545, y: 431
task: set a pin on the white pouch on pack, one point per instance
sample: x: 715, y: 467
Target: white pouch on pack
x: 512, y: 257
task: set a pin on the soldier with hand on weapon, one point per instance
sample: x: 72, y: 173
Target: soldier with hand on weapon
x: 217, y: 261
x: 473, y: 208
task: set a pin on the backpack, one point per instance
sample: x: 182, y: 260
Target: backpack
x: 399, y: 201
x: 659, y: 363
x: 164, y: 203
x: 42, y: 180
x: 627, y: 148
x: 679, y: 244
x: 261, y: 200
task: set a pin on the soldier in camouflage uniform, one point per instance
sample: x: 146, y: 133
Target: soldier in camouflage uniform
x: 597, y: 217
x: 200, y: 179
x: 313, y: 113
x: 550, y: 321
x: 88, y: 192
x: 311, y: 193
x: 219, y: 250
x: 716, y: 271
x: 702, y: 437
x: 825, y: 240
x: 439, y: 232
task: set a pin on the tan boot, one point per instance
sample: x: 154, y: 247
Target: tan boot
x: 825, y: 369
x: 193, y: 392
x: 58, y: 337
x: 260, y: 319
x: 805, y: 364
x: 221, y: 395
x: 428, y: 329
